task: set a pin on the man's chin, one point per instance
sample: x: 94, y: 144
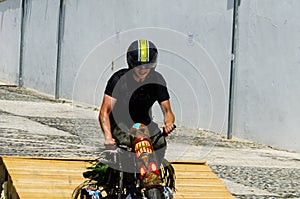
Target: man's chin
x: 143, y: 75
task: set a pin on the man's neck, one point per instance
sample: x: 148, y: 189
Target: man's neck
x: 138, y: 79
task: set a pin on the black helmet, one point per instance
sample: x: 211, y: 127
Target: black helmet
x: 142, y: 53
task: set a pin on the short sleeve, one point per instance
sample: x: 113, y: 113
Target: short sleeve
x: 162, y: 90
x: 110, y: 85
x: 112, y: 82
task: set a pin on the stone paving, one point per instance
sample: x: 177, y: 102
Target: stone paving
x: 32, y: 124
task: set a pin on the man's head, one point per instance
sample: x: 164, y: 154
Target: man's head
x: 142, y: 54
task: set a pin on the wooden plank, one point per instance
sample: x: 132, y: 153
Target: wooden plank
x: 43, y: 170
x: 195, y: 175
x: 45, y: 178
x: 196, y: 180
x: 32, y: 179
x: 85, y: 159
x: 38, y: 176
x: 41, y: 194
x: 35, y: 178
x: 57, y: 163
x: 191, y: 168
x: 188, y: 162
x: 50, y: 186
x: 203, y: 194
x: 200, y: 188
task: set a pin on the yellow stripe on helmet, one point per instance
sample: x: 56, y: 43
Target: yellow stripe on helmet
x: 143, y: 51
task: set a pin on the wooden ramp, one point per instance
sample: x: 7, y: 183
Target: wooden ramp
x: 196, y: 180
x: 53, y: 178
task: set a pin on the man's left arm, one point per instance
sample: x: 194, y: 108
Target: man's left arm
x: 169, y: 117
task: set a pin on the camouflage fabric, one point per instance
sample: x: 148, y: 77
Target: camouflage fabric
x: 122, y: 136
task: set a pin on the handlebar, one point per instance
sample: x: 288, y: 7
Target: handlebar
x: 126, y: 148
x: 164, y: 133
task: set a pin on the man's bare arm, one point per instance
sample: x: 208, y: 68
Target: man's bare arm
x: 106, y: 108
x: 169, y: 117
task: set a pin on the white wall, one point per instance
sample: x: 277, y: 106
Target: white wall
x: 193, y: 37
x: 10, y: 25
x: 40, y: 45
x: 194, y: 40
x: 267, y: 89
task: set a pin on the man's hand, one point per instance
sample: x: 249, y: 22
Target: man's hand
x: 168, y: 128
x: 110, y: 143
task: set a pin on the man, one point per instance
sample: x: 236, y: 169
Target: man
x: 130, y: 94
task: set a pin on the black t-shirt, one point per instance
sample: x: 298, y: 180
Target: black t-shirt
x: 135, y: 99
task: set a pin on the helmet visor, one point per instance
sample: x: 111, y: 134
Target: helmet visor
x: 147, y: 66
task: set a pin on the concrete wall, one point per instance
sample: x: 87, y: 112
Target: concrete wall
x: 40, y: 45
x: 267, y: 89
x: 194, y: 39
x: 10, y: 25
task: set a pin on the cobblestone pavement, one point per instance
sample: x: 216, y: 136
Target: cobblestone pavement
x: 32, y: 124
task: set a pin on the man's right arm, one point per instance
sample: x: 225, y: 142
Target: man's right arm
x: 106, y: 108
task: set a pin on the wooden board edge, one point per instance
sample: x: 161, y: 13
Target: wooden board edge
x: 84, y: 159
x: 200, y: 162
x: 88, y: 159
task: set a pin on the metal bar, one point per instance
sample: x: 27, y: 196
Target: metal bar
x: 232, y: 68
x: 22, y: 43
x: 60, y: 34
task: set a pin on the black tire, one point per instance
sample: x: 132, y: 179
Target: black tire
x: 154, y: 193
